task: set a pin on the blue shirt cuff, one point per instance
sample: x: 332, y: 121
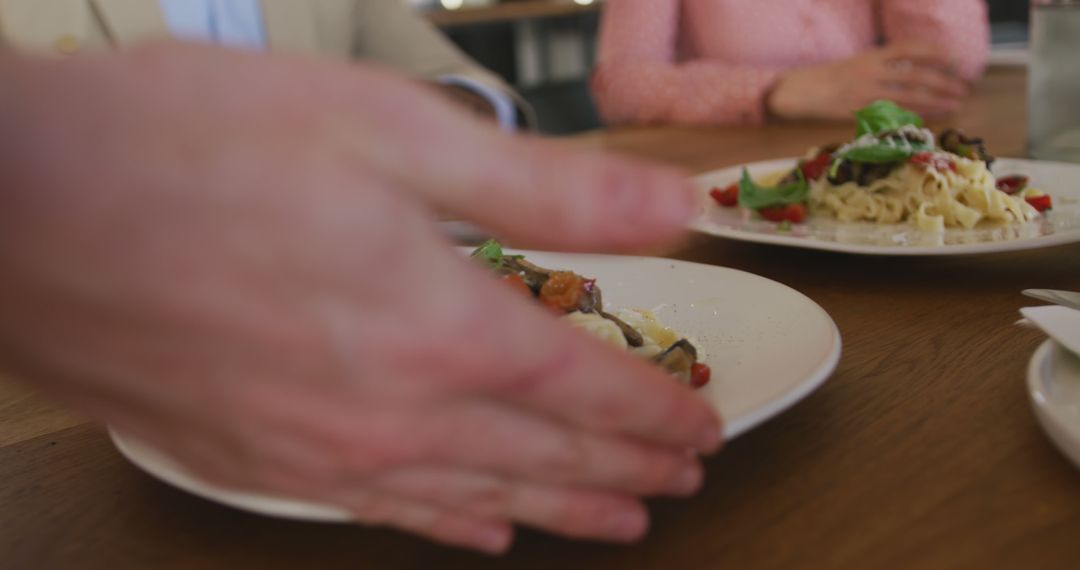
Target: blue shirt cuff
x: 505, y: 110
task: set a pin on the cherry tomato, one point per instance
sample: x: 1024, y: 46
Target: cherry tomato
x: 1012, y: 184
x: 517, y: 282
x: 816, y: 168
x: 1040, y: 203
x: 727, y: 197
x: 563, y: 291
x: 793, y: 213
x: 935, y: 161
x: 700, y: 374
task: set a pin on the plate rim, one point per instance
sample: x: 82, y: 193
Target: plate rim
x: 735, y: 427
x: 171, y: 472
x: 1066, y: 439
x: 701, y: 225
x: 164, y: 468
x: 773, y: 408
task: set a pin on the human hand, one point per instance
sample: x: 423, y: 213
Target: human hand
x: 232, y: 258
x: 915, y: 76
x: 468, y: 99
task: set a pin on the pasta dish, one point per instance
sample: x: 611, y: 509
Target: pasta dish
x: 894, y: 171
x: 579, y: 301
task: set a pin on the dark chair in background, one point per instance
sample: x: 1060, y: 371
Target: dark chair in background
x: 1009, y: 10
x: 560, y: 97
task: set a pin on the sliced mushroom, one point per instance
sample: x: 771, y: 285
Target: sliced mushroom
x: 871, y: 173
x: 956, y: 142
x: 633, y: 337
x: 678, y: 358
x: 863, y: 174
x: 593, y: 302
x: 791, y: 178
x: 534, y: 275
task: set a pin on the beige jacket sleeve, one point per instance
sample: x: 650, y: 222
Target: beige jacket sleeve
x: 385, y: 31
x: 391, y: 33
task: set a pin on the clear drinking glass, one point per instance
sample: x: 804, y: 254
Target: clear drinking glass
x: 1054, y: 82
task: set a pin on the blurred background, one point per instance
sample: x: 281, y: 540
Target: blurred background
x: 546, y: 47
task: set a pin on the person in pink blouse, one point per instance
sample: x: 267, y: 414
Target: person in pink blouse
x: 744, y: 61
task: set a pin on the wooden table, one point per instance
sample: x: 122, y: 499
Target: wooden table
x: 920, y: 452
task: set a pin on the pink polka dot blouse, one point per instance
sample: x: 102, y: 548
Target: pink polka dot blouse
x: 713, y: 61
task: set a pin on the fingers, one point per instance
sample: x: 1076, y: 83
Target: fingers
x: 929, y: 79
x: 430, y: 521
x: 537, y: 192
x: 925, y: 103
x: 541, y: 193
x: 919, y: 53
x: 483, y: 339
x: 501, y: 386
x: 573, y: 513
x: 918, y: 76
x: 581, y: 514
x: 354, y: 437
x: 532, y: 448
x: 590, y: 384
x: 574, y: 200
x: 556, y: 371
x: 410, y: 511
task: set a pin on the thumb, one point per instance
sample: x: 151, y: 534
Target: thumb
x: 535, y: 192
x: 549, y: 195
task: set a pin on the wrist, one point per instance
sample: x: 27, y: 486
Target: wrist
x: 789, y: 97
x: 776, y: 99
x: 769, y: 100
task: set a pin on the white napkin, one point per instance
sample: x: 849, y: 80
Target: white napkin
x: 1061, y: 323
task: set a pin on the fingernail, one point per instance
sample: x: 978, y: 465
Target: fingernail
x: 687, y: 481
x: 493, y: 540
x: 628, y: 525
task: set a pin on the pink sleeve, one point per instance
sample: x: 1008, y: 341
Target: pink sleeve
x: 960, y: 27
x: 638, y: 80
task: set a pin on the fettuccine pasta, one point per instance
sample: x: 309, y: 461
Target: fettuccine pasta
x: 894, y: 171
x: 933, y: 199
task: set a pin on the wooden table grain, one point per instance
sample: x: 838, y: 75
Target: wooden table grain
x: 920, y: 452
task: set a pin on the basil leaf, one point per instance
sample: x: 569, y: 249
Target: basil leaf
x: 755, y: 197
x: 881, y: 116
x: 491, y: 254
x: 889, y: 149
x: 878, y: 154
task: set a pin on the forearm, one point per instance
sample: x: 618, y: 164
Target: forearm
x: 390, y: 33
x: 701, y: 92
x: 640, y: 78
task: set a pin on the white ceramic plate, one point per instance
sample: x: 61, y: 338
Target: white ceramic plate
x: 1060, y: 226
x: 1054, y: 388
x: 739, y: 322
